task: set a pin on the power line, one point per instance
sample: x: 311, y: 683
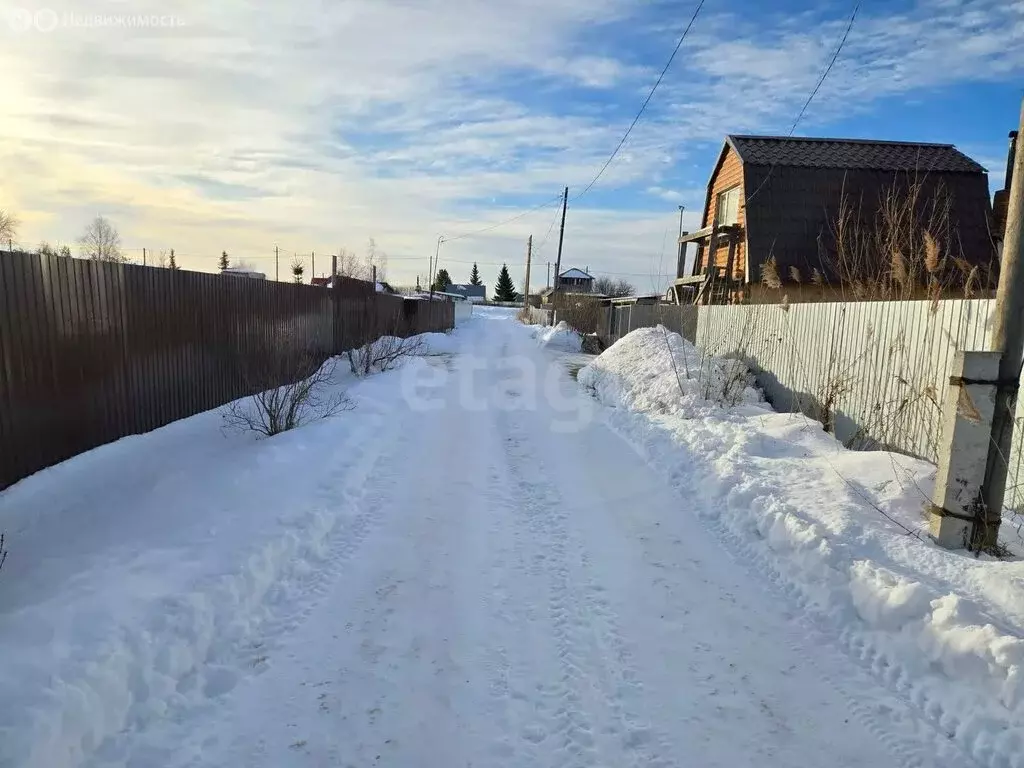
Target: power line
x: 643, y: 107
x: 488, y: 228
x: 817, y: 87
x: 548, y: 233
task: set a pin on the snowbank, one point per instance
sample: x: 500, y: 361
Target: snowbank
x: 653, y: 370
x: 843, y: 532
x: 438, y: 343
x: 152, y: 575
x: 559, y: 337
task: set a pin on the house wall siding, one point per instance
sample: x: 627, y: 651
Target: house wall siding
x: 729, y: 174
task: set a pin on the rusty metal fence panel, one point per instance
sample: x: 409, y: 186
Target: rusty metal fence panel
x: 94, y: 351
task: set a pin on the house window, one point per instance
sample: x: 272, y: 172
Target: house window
x: 727, y: 207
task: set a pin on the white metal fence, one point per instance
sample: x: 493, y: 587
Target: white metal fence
x: 874, y: 372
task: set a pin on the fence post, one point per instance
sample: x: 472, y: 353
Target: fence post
x: 1008, y: 340
x: 966, y: 431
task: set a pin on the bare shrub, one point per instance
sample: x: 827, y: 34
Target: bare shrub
x: 382, y: 354
x: 583, y: 314
x: 292, y: 386
x: 525, y: 317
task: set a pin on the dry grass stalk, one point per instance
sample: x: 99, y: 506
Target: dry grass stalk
x: 973, y: 281
x: 770, y: 274
x: 794, y: 275
x: 900, y: 273
x: 931, y: 253
x: 906, y: 248
x: 785, y: 302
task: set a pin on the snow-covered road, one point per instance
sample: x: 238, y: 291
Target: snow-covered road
x: 517, y: 587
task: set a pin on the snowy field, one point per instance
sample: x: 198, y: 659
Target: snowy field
x: 486, y: 563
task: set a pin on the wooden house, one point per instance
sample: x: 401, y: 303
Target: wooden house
x: 774, y: 206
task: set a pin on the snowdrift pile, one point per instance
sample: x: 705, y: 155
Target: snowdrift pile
x: 841, y: 532
x: 653, y: 370
x: 141, y: 572
x: 560, y: 337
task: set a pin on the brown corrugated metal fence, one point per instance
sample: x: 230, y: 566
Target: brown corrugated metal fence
x: 94, y: 351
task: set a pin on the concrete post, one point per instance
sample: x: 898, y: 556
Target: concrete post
x: 967, y: 411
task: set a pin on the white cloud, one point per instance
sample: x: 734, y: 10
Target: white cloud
x: 310, y: 125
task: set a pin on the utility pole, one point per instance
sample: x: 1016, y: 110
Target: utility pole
x: 374, y: 277
x: 334, y: 267
x: 529, y: 255
x: 277, y: 264
x: 143, y: 257
x: 437, y: 255
x: 681, y: 247
x: 548, y: 283
x: 561, y: 236
x: 312, y: 263
x: 1007, y: 339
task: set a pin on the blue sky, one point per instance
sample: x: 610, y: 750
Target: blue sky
x: 314, y: 125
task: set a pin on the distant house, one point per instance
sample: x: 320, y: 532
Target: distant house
x: 782, y: 215
x: 474, y: 293
x: 575, y: 281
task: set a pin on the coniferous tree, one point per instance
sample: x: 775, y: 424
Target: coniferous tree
x: 223, y: 260
x: 474, y: 276
x: 172, y: 264
x: 505, y: 289
x: 442, y: 280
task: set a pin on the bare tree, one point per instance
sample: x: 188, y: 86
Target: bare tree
x: 292, y: 386
x: 101, y: 241
x: 351, y: 264
x: 615, y: 288
x: 376, y: 261
x: 8, y: 227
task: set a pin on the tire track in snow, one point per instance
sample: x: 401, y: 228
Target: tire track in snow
x: 607, y: 668
x: 598, y: 685
x: 279, y: 586
x: 901, y: 724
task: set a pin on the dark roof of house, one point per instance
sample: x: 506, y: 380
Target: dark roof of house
x: 795, y: 190
x: 468, y: 289
x: 852, y: 153
x: 575, y: 274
